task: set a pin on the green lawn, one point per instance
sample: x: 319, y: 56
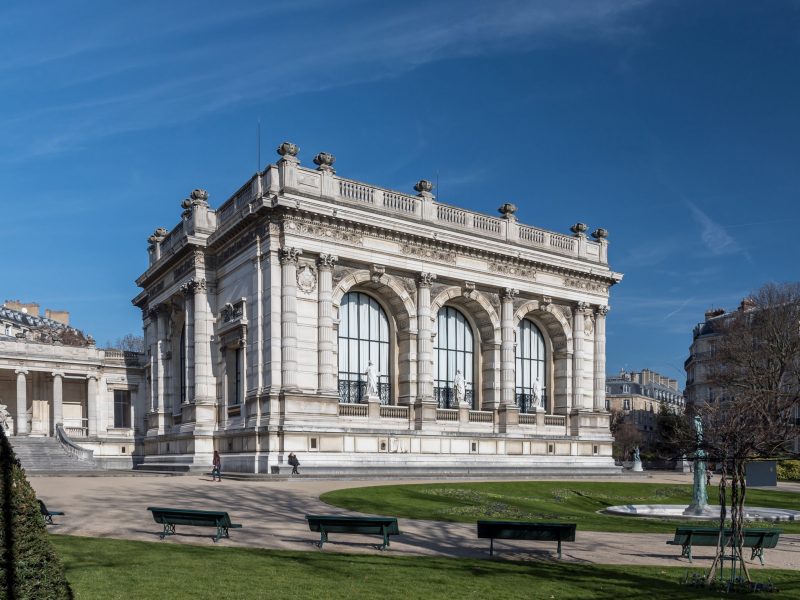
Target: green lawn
x: 539, y: 501
x: 120, y: 569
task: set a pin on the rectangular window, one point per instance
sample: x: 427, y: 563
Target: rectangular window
x: 122, y: 409
x: 626, y: 404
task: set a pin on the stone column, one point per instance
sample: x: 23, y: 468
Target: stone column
x: 507, y: 357
x: 58, y: 399
x: 289, y: 257
x: 22, y: 402
x: 600, y: 358
x: 188, y: 305
x: 578, y: 325
x: 91, y: 404
x: 326, y: 369
x: 163, y: 347
x: 424, y: 341
x: 204, y: 391
x: 154, y: 373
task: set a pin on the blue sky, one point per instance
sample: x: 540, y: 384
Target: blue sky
x: 673, y: 124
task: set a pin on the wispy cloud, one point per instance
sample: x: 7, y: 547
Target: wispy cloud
x: 144, y: 67
x: 715, y: 237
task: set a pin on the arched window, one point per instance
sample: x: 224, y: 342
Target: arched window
x: 531, y: 365
x: 363, y: 338
x: 453, y: 352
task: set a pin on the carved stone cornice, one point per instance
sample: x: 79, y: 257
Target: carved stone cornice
x: 325, y: 231
x: 426, y: 279
x: 289, y: 255
x: 584, y: 284
x: 327, y: 261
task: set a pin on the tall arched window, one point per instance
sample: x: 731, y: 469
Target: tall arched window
x: 453, y: 352
x: 363, y: 337
x: 531, y: 365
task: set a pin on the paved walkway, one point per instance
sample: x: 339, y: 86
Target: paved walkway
x: 273, y: 516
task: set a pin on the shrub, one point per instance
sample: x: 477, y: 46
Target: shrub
x: 789, y: 470
x: 29, y: 566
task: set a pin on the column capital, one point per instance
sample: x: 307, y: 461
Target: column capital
x: 91, y: 376
x: 581, y: 307
x: 426, y: 279
x: 509, y: 293
x: 327, y: 261
x: 289, y: 255
x: 57, y: 374
x: 21, y: 371
x: 602, y: 310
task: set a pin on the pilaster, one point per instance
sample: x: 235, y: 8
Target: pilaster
x: 58, y: 399
x: 578, y: 324
x: 326, y: 340
x: 507, y: 355
x: 425, y: 399
x: 22, y: 401
x: 600, y: 358
x: 91, y: 404
x: 289, y: 258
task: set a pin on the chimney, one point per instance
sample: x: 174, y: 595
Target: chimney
x: 714, y: 312
x: 31, y: 308
x: 61, y: 316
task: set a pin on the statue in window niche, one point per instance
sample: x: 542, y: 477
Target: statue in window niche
x: 537, y: 392
x: 460, y: 388
x: 372, y: 380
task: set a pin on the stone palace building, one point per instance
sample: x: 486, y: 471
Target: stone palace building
x: 261, y: 318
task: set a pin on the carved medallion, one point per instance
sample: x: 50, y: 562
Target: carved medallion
x: 306, y: 279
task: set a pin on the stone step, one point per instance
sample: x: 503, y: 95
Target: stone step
x: 44, y: 454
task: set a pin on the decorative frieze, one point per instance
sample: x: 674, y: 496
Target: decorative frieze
x: 326, y: 232
x: 512, y: 269
x: 582, y: 284
x: 428, y: 253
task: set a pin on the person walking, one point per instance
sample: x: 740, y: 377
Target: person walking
x: 216, y: 467
x: 708, y: 476
x: 294, y: 462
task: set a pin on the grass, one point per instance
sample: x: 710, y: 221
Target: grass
x: 571, y: 501
x: 121, y: 569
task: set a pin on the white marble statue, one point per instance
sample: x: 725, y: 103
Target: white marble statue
x: 537, y: 392
x: 6, y: 422
x: 460, y: 387
x: 372, y: 379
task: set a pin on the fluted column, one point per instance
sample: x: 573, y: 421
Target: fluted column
x: 204, y: 392
x: 424, y: 342
x: 326, y: 369
x: 151, y: 335
x: 91, y: 404
x: 162, y: 345
x: 507, y: 357
x: 58, y: 399
x: 600, y: 358
x: 22, y: 401
x: 578, y: 325
x: 188, y: 306
x: 289, y: 258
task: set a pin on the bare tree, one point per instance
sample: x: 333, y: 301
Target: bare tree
x: 626, y: 435
x: 754, y: 376
x: 128, y: 343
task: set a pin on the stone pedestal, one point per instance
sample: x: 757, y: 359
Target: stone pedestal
x: 508, y: 416
x: 637, y: 466
x: 425, y: 414
x: 463, y: 412
x: 373, y: 408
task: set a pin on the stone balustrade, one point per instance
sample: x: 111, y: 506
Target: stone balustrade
x: 555, y: 420
x: 481, y: 416
x: 393, y: 412
x: 346, y: 191
x: 353, y: 410
x: 527, y: 419
x: 446, y: 414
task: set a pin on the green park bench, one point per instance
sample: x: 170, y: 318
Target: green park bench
x: 755, y: 539
x: 521, y: 530
x: 170, y: 517
x: 48, y: 514
x: 384, y: 526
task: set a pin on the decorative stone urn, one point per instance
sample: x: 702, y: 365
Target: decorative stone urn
x: 600, y: 233
x: 508, y: 210
x: 288, y: 149
x: 423, y: 186
x: 579, y: 228
x: 325, y: 160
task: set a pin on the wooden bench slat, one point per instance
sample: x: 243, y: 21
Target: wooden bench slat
x: 170, y: 517
x: 325, y: 524
x: 526, y: 530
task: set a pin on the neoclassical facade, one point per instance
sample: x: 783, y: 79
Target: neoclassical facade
x: 485, y: 337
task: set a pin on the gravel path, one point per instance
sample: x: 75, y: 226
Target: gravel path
x: 273, y: 516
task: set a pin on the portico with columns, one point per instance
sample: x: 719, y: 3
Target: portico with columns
x: 261, y: 317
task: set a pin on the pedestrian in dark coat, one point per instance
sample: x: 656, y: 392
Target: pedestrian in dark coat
x: 216, y: 467
x: 294, y: 462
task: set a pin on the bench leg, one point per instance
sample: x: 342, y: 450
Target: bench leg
x: 491, y: 546
x: 323, y: 537
x: 385, y: 538
x: 48, y: 520
x: 759, y: 552
x: 169, y: 529
x: 686, y: 552
x: 559, y: 548
x: 221, y: 533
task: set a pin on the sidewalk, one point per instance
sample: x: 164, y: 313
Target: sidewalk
x: 273, y: 516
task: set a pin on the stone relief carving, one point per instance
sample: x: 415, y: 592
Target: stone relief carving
x: 306, y: 279
x: 340, y: 273
x: 376, y: 272
x: 327, y: 261
x: 426, y: 279
x: 428, y: 253
x: 588, y: 325
x: 494, y: 299
x: 589, y: 286
x: 329, y: 232
x: 289, y: 255
x: 511, y: 269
